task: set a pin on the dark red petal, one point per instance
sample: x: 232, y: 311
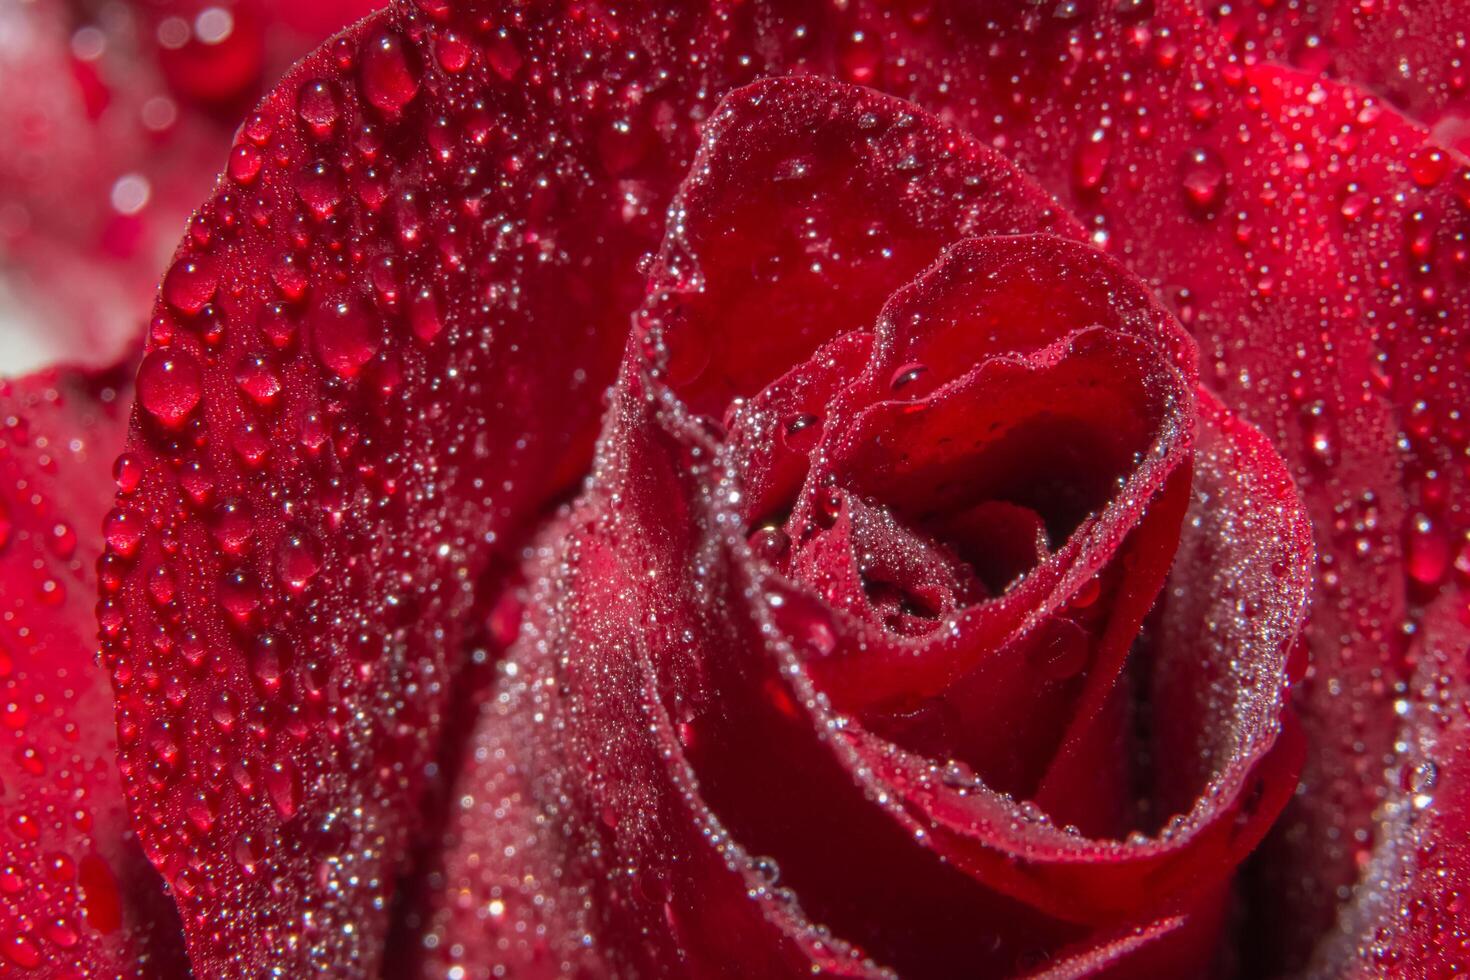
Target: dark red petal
x: 1412, y: 922
x: 1321, y: 278
x: 667, y: 716
x: 77, y: 896
x: 1048, y: 374
x: 599, y: 746
x: 615, y: 865
x: 1168, y: 947
x: 833, y: 196
x: 379, y: 352
x: 1223, y: 661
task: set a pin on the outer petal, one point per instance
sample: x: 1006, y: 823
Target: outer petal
x: 1411, y: 922
x: 377, y: 356
x: 1321, y: 271
x: 77, y: 896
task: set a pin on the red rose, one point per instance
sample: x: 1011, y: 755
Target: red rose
x: 928, y: 593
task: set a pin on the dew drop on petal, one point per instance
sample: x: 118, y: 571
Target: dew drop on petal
x: 169, y: 386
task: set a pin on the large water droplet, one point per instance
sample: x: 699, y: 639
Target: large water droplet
x: 389, y: 78
x: 1426, y: 551
x: 1203, y: 179
x: 190, y: 284
x: 316, y: 104
x: 169, y: 386
x: 298, y: 560
x: 344, y: 335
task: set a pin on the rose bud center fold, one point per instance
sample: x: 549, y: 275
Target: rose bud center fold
x: 954, y: 500
x: 893, y: 484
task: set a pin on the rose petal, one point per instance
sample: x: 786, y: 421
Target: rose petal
x: 859, y: 140
x: 928, y: 452
x: 835, y: 196
x: 379, y: 353
x: 1284, y: 218
x: 79, y: 897
x: 668, y: 716
x: 1412, y: 920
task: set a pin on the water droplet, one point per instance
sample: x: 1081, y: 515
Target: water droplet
x: 1203, y: 179
x: 283, y: 784
x: 452, y: 51
x: 62, y: 540
x: 504, y: 57
x: 245, y: 163
x: 190, y: 284
x: 234, y: 531
x: 1426, y: 551
x: 344, y: 335
x: 770, y: 543
x: 1428, y: 165
x: 123, y: 531
x: 320, y: 189
x: 829, y: 506
x: 127, y: 472
x: 424, y: 316
x: 389, y: 78
x: 1321, y: 434
x: 801, y: 431
x: 268, y: 662
x: 859, y: 58
x: 1092, y: 161
x: 169, y: 386
x: 248, y: 853
x: 298, y: 560
x: 202, y: 809
x: 907, y: 376
x: 1063, y: 650
x: 239, y: 595
x: 257, y: 379
x: 21, y: 950
x: 316, y: 104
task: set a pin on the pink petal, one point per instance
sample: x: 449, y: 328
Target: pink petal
x: 77, y: 896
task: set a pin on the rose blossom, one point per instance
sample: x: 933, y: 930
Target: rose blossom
x: 769, y: 490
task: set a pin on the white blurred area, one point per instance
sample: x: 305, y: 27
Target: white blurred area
x: 24, y: 345
x: 23, y: 340
x: 65, y: 293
